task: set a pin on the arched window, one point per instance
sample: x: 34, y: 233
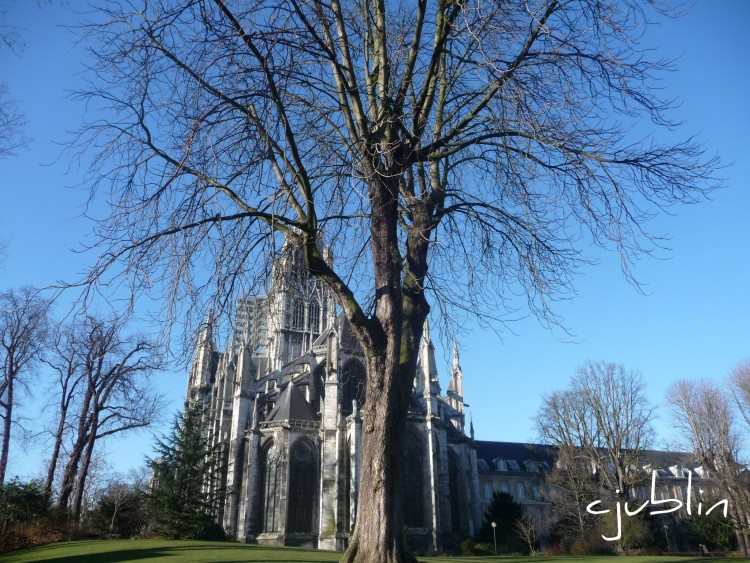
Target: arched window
x: 412, y: 493
x: 298, y: 315
x: 352, y: 386
x: 453, y: 487
x: 270, y: 492
x: 313, y: 315
x: 302, y: 489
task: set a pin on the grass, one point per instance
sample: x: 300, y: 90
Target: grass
x: 114, y: 551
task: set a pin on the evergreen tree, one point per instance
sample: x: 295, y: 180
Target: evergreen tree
x: 21, y: 503
x: 184, y: 495
x: 505, y: 512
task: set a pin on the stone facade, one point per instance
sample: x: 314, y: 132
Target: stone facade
x: 284, y: 401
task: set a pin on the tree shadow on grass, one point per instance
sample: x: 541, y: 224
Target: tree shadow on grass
x: 178, y: 552
x: 156, y: 553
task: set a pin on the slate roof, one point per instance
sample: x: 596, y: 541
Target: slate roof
x: 292, y: 405
x: 487, y: 452
x: 520, y: 452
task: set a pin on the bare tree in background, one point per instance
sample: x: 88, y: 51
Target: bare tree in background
x: 12, y: 120
x: 571, y: 487
x: 66, y: 361
x: 23, y: 331
x: 703, y: 414
x: 604, y: 419
x: 449, y: 153
x: 739, y: 385
x: 109, y: 384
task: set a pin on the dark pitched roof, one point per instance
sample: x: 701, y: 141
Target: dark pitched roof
x: 487, y: 452
x: 519, y: 452
x: 292, y: 405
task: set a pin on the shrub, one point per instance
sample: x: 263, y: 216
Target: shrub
x: 553, y: 550
x: 467, y: 547
x: 484, y: 548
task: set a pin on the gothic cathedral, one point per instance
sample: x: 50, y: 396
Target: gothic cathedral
x: 285, y: 401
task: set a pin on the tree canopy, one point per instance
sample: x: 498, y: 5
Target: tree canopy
x: 458, y: 154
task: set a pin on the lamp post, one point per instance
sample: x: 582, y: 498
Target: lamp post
x: 494, y: 536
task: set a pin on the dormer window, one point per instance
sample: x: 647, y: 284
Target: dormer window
x: 514, y: 465
x: 501, y: 464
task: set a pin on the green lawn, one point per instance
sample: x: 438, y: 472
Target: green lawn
x: 112, y: 551
x: 216, y: 552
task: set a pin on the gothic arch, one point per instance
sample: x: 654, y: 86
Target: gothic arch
x: 271, y: 487
x: 353, y: 386
x: 413, y: 483
x: 303, y: 477
x: 454, y: 488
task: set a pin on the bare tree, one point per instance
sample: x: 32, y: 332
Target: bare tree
x: 531, y: 529
x: 109, y: 386
x: 23, y: 331
x: 12, y: 120
x: 571, y: 487
x: 739, y: 385
x: 447, y: 152
x: 603, y: 418
x: 66, y: 361
x: 703, y: 414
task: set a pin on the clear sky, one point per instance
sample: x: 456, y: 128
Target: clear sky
x: 693, y: 321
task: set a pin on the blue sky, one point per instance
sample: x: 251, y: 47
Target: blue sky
x: 693, y: 321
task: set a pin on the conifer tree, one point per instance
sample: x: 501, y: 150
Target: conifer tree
x: 184, y: 495
x: 505, y: 512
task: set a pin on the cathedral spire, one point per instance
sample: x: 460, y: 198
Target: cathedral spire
x: 202, y: 358
x: 426, y: 361
x: 456, y: 385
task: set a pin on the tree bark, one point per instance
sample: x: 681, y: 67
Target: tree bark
x: 52, y: 467
x: 84, y: 467
x: 400, y: 312
x: 378, y: 534
x: 7, y: 423
x: 71, y: 468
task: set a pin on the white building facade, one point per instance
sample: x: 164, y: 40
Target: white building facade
x: 285, y: 399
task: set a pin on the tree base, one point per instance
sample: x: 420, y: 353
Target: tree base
x: 358, y: 553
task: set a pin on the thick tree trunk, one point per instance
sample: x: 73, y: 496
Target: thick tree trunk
x: 68, y: 480
x: 7, y: 422
x: 52, y: 467
x: 71, y: 468
x: 83, y: 472
x: 379, y: 531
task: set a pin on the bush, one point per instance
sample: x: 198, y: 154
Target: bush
x: 484, y: 548
x: 24, y: 516
x: 581, y: 547
x: 566, y: 544
x: 467, y: 547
